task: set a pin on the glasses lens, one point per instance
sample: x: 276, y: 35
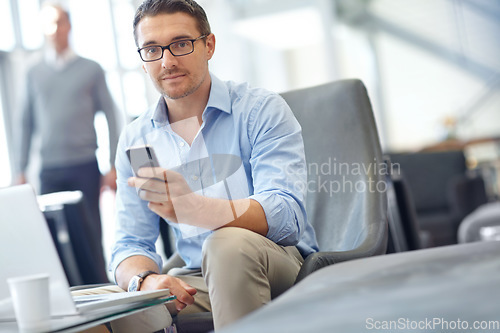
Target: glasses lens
x: 181, y: 47
x: 151, y: 53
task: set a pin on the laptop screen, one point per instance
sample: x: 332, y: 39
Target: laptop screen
x: 26, y: 248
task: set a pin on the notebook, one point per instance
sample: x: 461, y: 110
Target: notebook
x: 27, y: 248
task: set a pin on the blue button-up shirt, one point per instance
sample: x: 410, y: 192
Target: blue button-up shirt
x: 249, y: 145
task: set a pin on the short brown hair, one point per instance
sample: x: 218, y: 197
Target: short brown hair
x: 155, y: 7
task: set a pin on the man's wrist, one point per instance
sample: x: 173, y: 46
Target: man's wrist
x: 137, y: 280
x: 150, y: 282
x: 197, y: 205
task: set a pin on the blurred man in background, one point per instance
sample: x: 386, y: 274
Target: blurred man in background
x: 62, y: 96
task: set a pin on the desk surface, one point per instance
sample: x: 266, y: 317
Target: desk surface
x: 77, y: 323
x: 458, y: 284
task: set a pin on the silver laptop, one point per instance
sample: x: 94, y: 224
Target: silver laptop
x: 27, y: 248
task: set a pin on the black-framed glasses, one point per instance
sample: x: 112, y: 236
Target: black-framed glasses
x: 177, y: 49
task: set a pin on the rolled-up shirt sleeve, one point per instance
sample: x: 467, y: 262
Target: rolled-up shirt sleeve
x: 135, y: 232
x: 279, y: 173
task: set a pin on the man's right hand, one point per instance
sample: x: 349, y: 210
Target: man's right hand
x: 179, y: 288
x: 21, y: 179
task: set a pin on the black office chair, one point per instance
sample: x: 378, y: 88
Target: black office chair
x: 442, y: 190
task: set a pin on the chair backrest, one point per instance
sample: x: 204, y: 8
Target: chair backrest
x: 346, y: 200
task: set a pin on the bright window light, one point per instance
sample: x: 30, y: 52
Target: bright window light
x: 284, y: 30
x: 7, y: 40
x: 5, y: 171
x: 30, y: 24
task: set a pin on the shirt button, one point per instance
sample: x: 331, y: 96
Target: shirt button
x: 181, y: 144
x: 194, y: 177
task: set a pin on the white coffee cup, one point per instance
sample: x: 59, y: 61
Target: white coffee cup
x: 30, y: 296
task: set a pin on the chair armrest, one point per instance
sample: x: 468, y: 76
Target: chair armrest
x: 200, y: 322
x: 368, y: 248
x: 174, y: 261
x: 318, y: 260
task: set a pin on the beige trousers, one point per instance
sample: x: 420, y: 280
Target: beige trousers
x: 241, y: 271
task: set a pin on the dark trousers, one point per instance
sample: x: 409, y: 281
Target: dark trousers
x: 83, y: 177
x: 87, y: 179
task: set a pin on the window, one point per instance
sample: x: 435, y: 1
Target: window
x: 31, y: 35
x: 5, y: 170
x: 7, y: 41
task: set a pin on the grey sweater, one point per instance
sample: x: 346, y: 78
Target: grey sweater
x: 60, y: 105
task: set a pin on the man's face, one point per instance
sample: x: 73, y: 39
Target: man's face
x: 175, y: 77
x: 56, y: 27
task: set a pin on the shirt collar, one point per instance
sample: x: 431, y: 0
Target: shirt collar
x: 219, y: 96
x: 218, y: 99
x: 160, y: 117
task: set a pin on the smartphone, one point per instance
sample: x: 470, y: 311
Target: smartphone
x: 142, y: 156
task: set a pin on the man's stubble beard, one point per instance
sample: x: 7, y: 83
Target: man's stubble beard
x: 188, y: 92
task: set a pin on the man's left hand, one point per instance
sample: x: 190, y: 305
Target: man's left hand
x: 167, y: 192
